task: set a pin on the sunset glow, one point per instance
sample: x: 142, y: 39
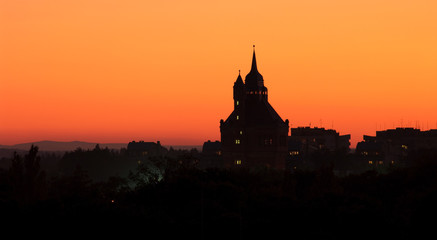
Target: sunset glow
x: 116, y: 71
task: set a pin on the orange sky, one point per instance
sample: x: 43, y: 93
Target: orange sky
x: 116, y: 71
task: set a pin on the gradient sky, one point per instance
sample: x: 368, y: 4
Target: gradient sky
x: 117, y: 71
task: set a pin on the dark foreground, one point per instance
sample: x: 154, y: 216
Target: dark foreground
x: 227, y: 204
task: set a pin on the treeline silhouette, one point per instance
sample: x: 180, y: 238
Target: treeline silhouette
x: 168, y: 196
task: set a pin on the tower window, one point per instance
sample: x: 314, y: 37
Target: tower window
x: 238, y: 162
x: 241, y: 132
x: 237, y: 141
x: 238, y: 117
x: 238, y: 102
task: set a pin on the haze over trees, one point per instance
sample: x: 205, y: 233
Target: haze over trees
x: 170, y: 196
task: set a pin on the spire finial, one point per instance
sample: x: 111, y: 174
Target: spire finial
x: 238, y: 71
x: 254, y: 68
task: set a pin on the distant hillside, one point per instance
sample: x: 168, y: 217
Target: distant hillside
x: 63, y: 146
x: 71, y: 146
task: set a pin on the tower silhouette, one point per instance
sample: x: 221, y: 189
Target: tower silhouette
x: 253, y: 134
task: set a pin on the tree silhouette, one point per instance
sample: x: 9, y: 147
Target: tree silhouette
x: 26, y: 178
x: 16, y: 175
x: 145, y: 174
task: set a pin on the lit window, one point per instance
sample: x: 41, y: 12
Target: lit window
x: 237, y: 141
x: 238, y: 162
x: 370, y: 162
x: 392, y: 162
x: 404, y: 147
x: 238, y: 117
x: 365, y: 153
x: 294, y: 153
x: 241, y: 132
x: 219, y: 153
x: 380, y: 162
x: 238, y: 103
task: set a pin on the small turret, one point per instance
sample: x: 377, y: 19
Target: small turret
x: 239, y: 91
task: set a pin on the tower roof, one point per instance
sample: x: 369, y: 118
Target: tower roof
x: 239, y: 80
x: 254, y: 79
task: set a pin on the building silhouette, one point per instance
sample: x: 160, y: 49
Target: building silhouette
x: 308, y: 145
x: 211, y: 156
x: 392, y: 146
x: 304, y: 141
x: 254, y: 134
x: 142, y: 148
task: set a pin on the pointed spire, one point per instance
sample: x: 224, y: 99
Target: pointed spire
x: 254, y: 79
x: 254, y: 68
x: 239, y: 79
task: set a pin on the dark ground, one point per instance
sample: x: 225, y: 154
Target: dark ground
x: 177, y: 200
